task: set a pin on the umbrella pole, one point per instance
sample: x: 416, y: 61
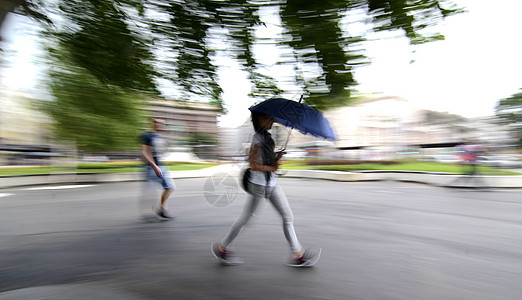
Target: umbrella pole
x: 287, y: 139
x: 290, y: 131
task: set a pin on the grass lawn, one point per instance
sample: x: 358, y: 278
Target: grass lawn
x: 401, y: 166
x: 133, y: 166
x: 105, y: 167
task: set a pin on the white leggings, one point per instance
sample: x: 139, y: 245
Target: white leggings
x: 278, y: 198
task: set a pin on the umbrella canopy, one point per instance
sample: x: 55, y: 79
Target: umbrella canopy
x: 304, y: 118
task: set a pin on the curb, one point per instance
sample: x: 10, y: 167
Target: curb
x: 435, y: 179
x: 10, y: 181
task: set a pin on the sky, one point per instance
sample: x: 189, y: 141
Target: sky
x: 477, y: 64
x: 21, y: 51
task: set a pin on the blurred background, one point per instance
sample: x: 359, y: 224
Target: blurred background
x: 80, y: 79
x: 406, y: 85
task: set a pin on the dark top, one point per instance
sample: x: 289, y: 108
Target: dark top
x: 156, y: 142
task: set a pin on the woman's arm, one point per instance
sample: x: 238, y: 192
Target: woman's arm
x: 254, y: 165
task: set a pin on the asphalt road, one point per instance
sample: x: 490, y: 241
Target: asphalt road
x: 380, y: 240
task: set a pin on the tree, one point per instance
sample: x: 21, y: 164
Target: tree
x: 111, y: 50
x: 100, y: 35
x: 99, y: 71
x: 203, y: 144
x: 509, y: 110
x: 95, y: 115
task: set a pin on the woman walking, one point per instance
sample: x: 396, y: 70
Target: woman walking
x: 263, y: 184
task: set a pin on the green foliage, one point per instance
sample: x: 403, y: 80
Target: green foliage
x: 31, y: 9
x: 317, y: 39
x: 509, y: 110
x: 410, y: 16
x: 105, y: 52
x: 99, y: 65
x: 93, y: 115
x: 100, y: 40
x: 119, y: 41
x: 202, y: 138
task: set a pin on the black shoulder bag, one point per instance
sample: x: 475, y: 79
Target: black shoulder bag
x: 245, y: 178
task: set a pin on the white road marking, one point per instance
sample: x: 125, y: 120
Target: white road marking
x: 387, y: 192
x: 58, y: 187
x: 5, y: 195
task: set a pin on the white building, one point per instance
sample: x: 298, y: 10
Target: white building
x: 21, y: 122
x: 383, y: 127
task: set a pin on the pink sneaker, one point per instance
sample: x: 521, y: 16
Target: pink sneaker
x: 308, y: 259
x: 224, y: 257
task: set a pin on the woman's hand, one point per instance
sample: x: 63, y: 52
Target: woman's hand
x: 279, y: 154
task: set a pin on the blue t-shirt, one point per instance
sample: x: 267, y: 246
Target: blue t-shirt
x: 156, y: 142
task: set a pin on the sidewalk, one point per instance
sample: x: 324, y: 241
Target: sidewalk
x: 431, y: 178
x: 84, y: 178
x: 234, y: 169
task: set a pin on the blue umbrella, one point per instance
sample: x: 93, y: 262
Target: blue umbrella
x: 293, y: 114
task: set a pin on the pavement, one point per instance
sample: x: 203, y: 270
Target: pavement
x: 379, y: 239
x: 234, y: 169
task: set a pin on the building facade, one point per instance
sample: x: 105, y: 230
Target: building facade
x: 385, y: 127
x: 186, y: 121
x: 24, y: 126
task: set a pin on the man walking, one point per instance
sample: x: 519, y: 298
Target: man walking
x: 153, y: 147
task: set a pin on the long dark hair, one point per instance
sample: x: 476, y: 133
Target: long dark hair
x: 268, y: 145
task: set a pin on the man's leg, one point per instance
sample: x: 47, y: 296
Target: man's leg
x: 148, y: 198
x: 164, y: 196
x: 168, y: 187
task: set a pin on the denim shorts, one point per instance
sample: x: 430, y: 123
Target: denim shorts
x: 165, y: 181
